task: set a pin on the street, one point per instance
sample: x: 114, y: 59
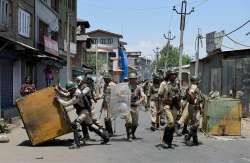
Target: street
x: 223, y: 150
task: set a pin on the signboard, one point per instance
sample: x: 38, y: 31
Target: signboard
x: 51, y: 46
x: 214, y: 41
x: 72, y: 47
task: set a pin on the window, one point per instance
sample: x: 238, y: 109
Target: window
x: 95, y: 41
x: 110, y: 41
x: 4, y: 12
x: 24, y: 23
x: 103, y: 41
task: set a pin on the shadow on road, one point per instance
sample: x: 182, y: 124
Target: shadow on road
x: 59, y: 143
x: 55, y: 142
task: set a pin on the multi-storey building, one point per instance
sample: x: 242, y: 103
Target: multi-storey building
x: 32, y: 37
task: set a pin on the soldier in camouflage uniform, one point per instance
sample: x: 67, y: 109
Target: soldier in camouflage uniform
x: 169, y: 94
x: 154, y: 102
x: 137, y: 98
x: 192, y: 112
x: 106, y: 102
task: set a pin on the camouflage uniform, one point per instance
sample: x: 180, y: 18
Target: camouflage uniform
x: 154, y: 101
x: 137, y: 98
x: 192, y: 111
x: 169, y: 92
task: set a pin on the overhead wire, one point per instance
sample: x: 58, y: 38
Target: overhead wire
x: 227, y: 34
x: 236, y: 42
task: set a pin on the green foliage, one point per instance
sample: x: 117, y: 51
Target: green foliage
x: 171, y: 58
x: 3, y: 127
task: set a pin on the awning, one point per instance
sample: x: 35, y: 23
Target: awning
x: 37, y: 53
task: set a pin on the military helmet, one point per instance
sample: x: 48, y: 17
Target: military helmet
x: 80, y: 78
x: 156, y: 76
x: 70, y: 85
x: 170, y: 72
x: 195, y: 79
x: 132, y: 75
x: 107, y: 76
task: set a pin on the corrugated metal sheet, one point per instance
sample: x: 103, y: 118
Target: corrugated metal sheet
x: 223, y: 117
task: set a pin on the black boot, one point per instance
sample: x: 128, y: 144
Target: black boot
x: 168, y: 136
x: 153, y: 126
x: 184, y: 130
x: 133, y: 132
x: 195, y: 137
x: 77, y: 143
x: 100, y: 132
x: 85, y: 131
x: 128, y: 131
x: 108, y: 126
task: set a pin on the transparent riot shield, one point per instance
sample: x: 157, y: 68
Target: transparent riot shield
x: 119, y: 100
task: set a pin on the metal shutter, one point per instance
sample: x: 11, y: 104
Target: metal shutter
x: 6, y: 83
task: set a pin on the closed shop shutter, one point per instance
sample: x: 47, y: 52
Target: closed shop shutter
x: 6, y: 83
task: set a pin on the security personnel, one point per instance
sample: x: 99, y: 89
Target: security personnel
x: 106, y: 102
x: 80, y: 102
x: 81, y: 81
x: 192, y: 112
x: 169, y: 94
x: 137, y: 98
x: 154, y: 102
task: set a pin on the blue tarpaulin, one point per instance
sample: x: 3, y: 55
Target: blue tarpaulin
x: 123, y: 63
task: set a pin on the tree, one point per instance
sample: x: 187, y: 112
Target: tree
x: 171, y: 58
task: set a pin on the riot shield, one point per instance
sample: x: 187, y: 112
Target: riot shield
x: 119, y: 100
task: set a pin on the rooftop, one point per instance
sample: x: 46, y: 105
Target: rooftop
x: 106, y: 32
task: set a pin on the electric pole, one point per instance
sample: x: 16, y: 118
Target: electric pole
x: 197, y: 46
x: 183, y: 14
x: 169, y: 38
x: 157, y: 52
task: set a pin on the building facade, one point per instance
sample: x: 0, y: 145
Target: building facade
x: 83, y: 42
x: 30, y: 41
x: 16, y: 42
x: 104, y: 50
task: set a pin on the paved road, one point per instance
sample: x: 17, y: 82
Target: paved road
x: 120, y: 151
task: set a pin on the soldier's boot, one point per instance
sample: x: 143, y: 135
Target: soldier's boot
x: 85, y: 131
x: 100, y: 132
x: 128, y: 131
x: 168, y: 136
x: 108, y: 126
x: 75, y: 127
x: 195, y: 136
x: 133, y: 132
x: 184, y: 130
x: 153, y: 126
x: 157, y: 125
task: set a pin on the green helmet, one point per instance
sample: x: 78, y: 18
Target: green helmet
x: 132, y: 75
x: 70, y: 85
x: 195, y: 79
